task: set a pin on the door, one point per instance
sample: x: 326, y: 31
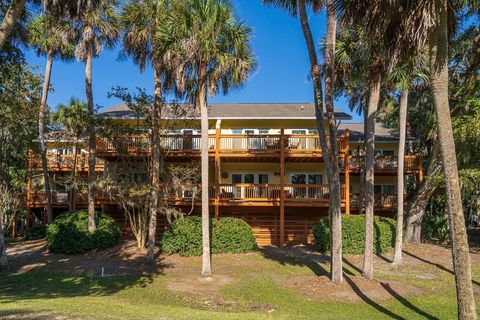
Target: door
x: 187, y: 140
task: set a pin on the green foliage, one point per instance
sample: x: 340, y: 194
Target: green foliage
x: 353, y: 231
x: 435, y: 222
x: 228, y: 235
x: 69, y: 233
x: 36, y: 232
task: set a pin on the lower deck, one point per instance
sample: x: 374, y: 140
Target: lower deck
x: 264, y: 221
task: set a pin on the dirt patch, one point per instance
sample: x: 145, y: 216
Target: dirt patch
x: 354, y: 289
x: 196, y: 285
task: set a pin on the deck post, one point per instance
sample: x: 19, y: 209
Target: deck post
x: 347, y: 172
x: 420, y: 170
x: 217, y: 168
x: 29, y: 188
x: 282, y: 187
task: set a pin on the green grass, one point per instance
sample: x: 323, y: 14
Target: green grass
x: 259, y: 293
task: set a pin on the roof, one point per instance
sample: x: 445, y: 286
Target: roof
x: 382, y: 133
x: 238, y: 111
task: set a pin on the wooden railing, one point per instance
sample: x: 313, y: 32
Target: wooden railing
x: 61, y: 198
x: 259, y: 192
x: 386, y: 163
x: 382, y: 201
x: 228, y: 143
x: 64, y: 162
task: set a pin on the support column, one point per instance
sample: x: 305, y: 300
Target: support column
x: 29, y: 188
x: 347, y: 173
x: 420, y: 170
x: 282, y: 188
x: 217, y: 168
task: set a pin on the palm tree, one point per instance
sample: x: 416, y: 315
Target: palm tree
x: 405, y: 27
x: 212, y: 50
x: 93, y: 29
x: 329, y: 149
x: 74, y: 117
x: 46, y: 37
x: 139, y: 22
x: 55, y: 8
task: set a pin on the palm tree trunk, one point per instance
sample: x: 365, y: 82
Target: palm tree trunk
x: 3, y: 253
x: 439, y: 85
x: 421, y: 198
x: 361, y: 205
x: 73, y: 190
x: 92, y: 143
x: 335, y: 212
x: 397, y: 256
x: 155, y: 172
x: 10, y: 19
x: 202, y: 96
x: 41, y: 135
x: 369, y: 175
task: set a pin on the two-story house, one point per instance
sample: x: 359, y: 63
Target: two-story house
x: 266, y: 167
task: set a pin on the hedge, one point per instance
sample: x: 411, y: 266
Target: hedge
x: 353, y: 234
x: 227, y: 235
x: 69, y: 233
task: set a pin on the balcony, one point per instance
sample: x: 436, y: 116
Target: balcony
x: 64, y: 163
x: 37, y: 199
x: 258, y: 194
x: 229, y: 145
x: 382, y: 201
x: 386, y: 164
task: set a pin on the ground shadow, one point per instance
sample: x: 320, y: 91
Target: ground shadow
x: 437, y: 265
x: 296, y: 256
x: 33, y: 272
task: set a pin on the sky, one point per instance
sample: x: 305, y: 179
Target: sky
x: 277, y: 42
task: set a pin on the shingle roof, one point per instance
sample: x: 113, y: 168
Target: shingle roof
x: 382, y: 133
x: 243, y: 111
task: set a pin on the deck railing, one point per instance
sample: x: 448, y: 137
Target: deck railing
x: 231, y: 143
x: 381, y: 201
x: 65, y: 162
x: 386, y: 163
x: 61, y: 198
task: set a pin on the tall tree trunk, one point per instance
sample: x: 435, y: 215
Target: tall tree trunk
x: 41, y: 135
x: 202, y: 96
x: 439, y: 85
x: 421, y: 198
x: 361, y: 205
x: 10, y: 19
x: 397, y: 256
x: 155, y: 170
x: 3, y: 253
x: 73, y: 189
x: 335, y: 199
x: 92, y: 143
x: 369, y: 174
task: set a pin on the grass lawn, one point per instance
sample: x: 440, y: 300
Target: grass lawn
x: 269, y: 284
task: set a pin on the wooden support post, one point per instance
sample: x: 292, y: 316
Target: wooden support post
x: 347, y: 173
x: 420, y: 170
x: 28, y: 211
x: 282, y: 188
x: 217, y: 169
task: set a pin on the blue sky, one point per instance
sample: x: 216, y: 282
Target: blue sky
x: 278, y: 43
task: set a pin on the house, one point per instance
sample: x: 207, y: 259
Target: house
x: 266, y: 166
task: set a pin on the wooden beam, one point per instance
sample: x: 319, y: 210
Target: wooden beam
x: 217, y: 169
x: 420, y: 170
x: 282, y: 188
x: 347, y: 173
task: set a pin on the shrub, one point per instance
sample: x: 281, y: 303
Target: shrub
x: 37, y: 231
x: 227, y: 235
x: 353, y: 234
x: 69, y: 233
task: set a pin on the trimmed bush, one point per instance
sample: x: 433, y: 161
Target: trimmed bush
x: 69, y: 233
x: 227, y: 235
x: 353, y: 231
x: 36, y: 232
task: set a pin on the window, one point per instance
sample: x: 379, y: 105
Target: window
x: 236, y: 178
x: 388, y: 152
x: 298, y: 178
x: 389, y: 189
x: 263, y: 178
x: 315, y: 179
x: 377, y: 189
x: 263, y: 131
